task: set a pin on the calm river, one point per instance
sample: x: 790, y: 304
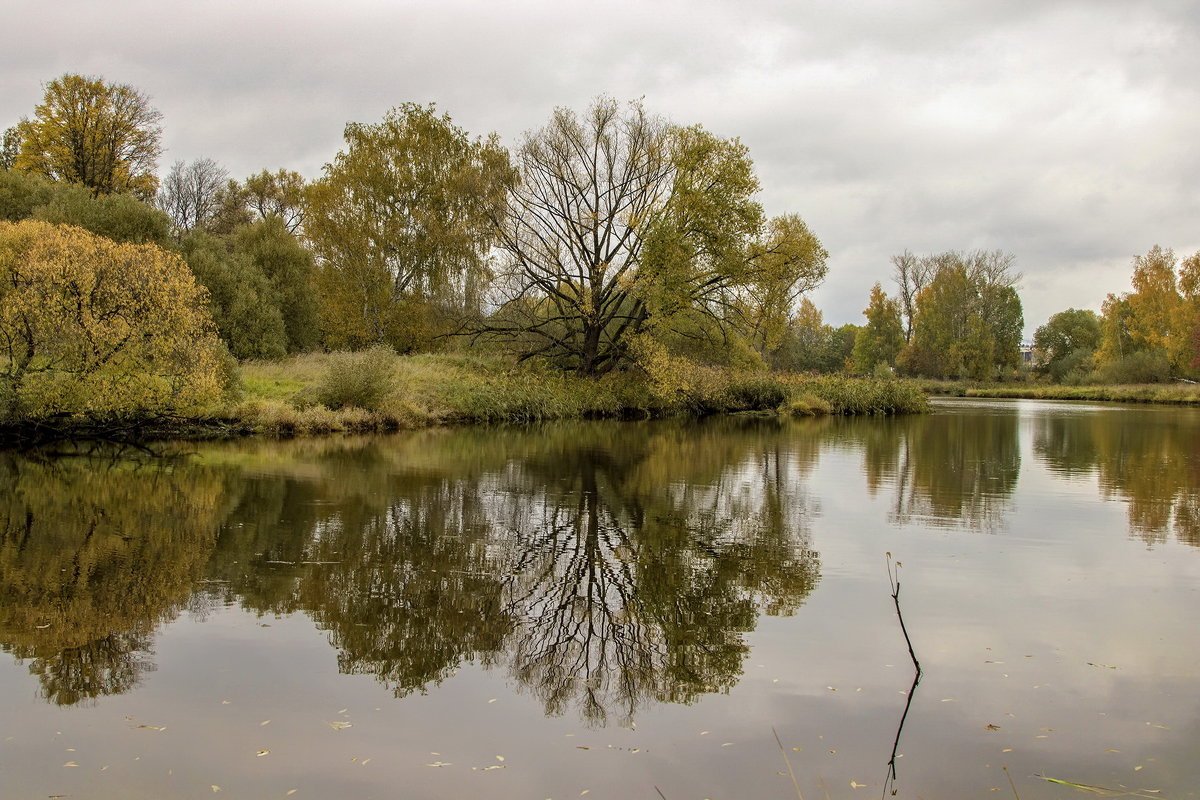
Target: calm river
x: 613, y: 610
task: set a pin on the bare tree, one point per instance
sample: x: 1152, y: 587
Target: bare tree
x: 618, y: 222
x: 190, y: 193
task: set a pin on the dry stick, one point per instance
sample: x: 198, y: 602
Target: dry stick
x: 894, y: 581
x: 1008, y: 775
x: 787, y: 761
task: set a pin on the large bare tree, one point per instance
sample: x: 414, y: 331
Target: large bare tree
x: 618, y: 223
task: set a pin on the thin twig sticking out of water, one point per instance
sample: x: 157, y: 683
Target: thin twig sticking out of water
x: 894, y: 582
x: 787, y: 761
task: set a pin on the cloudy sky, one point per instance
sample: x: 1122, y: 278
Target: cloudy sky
x: 1063, y: 132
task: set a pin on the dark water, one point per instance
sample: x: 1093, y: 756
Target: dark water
x: 612, y: 611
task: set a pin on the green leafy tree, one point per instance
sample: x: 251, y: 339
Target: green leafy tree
x: 241, y: 298
x: 621, y: 228
x: 880, y: 340
x: 120, y: 217
x: 101, y: 135
x: 401, y: 227
x: 290, y: 269
x: 21, y: 194
x: 1067, y: 342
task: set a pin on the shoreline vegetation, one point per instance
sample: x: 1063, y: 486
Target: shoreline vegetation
x: 379, y: 391
x: 1177, y: 394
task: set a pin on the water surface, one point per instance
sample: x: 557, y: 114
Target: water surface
x: 621, y: 609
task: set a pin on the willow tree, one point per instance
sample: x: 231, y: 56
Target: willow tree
x: 400, y: 224
x: 621, y: 227
x: 104, y: 136
x: 92, y: 330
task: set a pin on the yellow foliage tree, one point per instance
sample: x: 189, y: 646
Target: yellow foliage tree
x: 93, y: 329
x: 104, y: 136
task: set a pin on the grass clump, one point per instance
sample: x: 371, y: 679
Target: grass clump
x: 357, y: 380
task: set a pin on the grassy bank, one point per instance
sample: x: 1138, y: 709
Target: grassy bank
x: 318, y: 393
x: 1161, y: 393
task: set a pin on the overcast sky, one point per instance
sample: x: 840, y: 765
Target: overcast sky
x: 1063, y: 132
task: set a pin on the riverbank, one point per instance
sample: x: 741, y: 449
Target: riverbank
x: 319, y: 393
x: 377, y: 391
x: 1185, y: 394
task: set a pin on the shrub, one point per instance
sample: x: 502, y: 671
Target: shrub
x: 93, y: 329
x: 358, y: 380
x: 1143, y: 366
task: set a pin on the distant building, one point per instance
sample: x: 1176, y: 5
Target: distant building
x: 1028, y: 357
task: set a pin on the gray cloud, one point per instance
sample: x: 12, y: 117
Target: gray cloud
x: 1060, y: 131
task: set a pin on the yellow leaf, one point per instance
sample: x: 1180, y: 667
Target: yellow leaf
x: 262, y: 753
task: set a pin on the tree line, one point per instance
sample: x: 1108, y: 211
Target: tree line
x: 609, y: 238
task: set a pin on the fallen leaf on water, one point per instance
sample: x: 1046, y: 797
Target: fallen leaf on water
x: 585, y: 791
x: 73, y: 764
x: 857, y: 785
x: 1006, y: 750
x: 992, y: 727
x: 338, y: 725
x: 291, y: 792
x: 704, y: 733
x: 1137, y: 768
x: 579, y: 747
x: 797, y: 749
x: 364, y: 761
x: 1110, y: 750
x: 153, y: 727
x: 440, y: 764
x: 264, y: 722
x: 726, y: 744
x: 224, y: 702
x: 492, y: 700
x: 343, y: 711
x: 1102, y: 666
x: 499, y: 758
x: 262, y: 753
x: 215, y: 788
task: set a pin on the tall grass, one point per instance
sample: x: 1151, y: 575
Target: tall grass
x: 1160, y: 393
x: 298, y: 395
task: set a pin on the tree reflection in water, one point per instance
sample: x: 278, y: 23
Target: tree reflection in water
x: 604, y: 565
x: 1150, y: 458
x: 95, y: 553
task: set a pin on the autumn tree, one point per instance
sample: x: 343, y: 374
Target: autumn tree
x: 621, y: 230
x: 880, y: 340
x: 191, y: 194
x: 101, y: 135
x: 1157, y: 324
x: 968, y: 319
x: 277, y: 194
x: 401, y: 227
x: 96, y: 329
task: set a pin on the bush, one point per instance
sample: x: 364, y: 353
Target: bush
x: 358, y: 380
x: 1144, y: 366
x: 91, y: 329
